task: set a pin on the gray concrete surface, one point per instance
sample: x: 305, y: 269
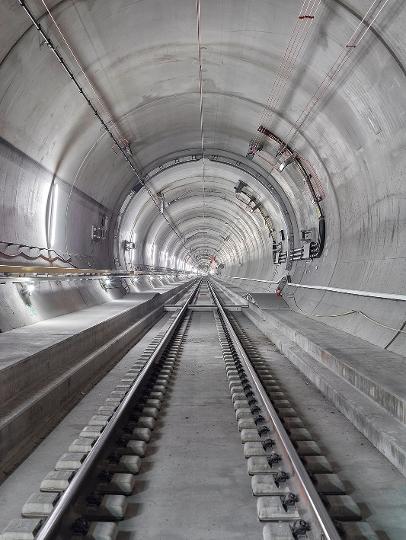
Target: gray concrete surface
x: 52, y: 298
x: 378, y: 373
x: 27, y: 477
x: 193, y: 482
x: 44, y: 367
x: 375, y: 484
x: 142, y: 57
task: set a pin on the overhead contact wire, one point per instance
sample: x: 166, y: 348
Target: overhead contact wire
x: 96, y: 94
x: 335, y: 69
x: 292, y: 52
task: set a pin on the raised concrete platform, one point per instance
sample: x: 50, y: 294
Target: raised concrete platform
x: 372, y: 481
x: 365, y: 382
x: 46, y: 367
x: 27, y: 477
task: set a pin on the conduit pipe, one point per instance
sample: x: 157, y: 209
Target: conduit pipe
x: 385, y: 296
x: 353, y: 292
x: 252, y: 279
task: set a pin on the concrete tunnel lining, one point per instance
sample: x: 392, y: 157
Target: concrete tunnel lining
x: 192, y: 146
x: 353, y: 141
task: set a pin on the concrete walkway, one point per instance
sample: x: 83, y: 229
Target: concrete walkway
x: 377, y: 487
x: 365, y: 382
x: 44, y: 367
x: 18, y: 344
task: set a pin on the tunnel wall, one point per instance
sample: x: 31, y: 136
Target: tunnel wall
x: 355, y: 138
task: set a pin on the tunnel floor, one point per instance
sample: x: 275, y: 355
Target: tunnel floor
x: 193, y: 481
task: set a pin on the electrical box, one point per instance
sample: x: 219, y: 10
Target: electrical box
x: 99, y: 232
x: 128, y: 246
x: 307, y: 235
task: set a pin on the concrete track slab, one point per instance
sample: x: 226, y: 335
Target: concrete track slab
x: 193, y: 483
x: 17, y: 344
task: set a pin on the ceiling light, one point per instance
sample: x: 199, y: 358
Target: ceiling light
x: 107, y: 282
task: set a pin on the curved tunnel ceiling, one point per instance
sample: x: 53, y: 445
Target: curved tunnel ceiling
x: 139, y: 64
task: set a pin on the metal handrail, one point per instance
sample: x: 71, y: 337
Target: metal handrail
x: 50, y: 528
x: 316, y: 505
x: 353, y: 292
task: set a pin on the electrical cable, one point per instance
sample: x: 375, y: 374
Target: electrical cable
x: 96, y: 94
x: 335, y: 69
x: 64, y: 65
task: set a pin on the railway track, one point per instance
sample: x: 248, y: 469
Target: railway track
x: 90, y: 491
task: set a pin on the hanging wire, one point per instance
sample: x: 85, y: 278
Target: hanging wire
x: 292, y: 52
x: 201, y: 100
x: 119, y: 145
x: 354, y: 41
x: 78, y: 63
x: 350, y: 312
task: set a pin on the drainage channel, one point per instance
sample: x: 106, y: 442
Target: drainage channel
x: 298, y: 495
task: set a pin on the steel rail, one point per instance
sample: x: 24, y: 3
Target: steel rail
x: 64, y: 273
x: 315, y: 503
x: 49, y: 530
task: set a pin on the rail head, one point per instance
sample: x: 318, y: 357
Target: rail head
x: 51, y: 527
x: 314, y: 502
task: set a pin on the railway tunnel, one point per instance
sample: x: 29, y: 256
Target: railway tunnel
x: 202, y: 306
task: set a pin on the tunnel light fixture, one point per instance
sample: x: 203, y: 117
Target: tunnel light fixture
x: 287, y: 162
x: 152, y: 253
x: 29, y: 289
x: 54, y: 206
x: 106, y: 283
